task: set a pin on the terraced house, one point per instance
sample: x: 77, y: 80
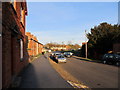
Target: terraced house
x: 14, y: 43
x: 34, y: 46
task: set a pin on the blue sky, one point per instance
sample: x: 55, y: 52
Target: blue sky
x: 67, y: 21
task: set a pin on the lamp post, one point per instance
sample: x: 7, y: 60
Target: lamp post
x: 85, y: 45
x: 119, y: 13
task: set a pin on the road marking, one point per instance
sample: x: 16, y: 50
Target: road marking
x: 75, y: 85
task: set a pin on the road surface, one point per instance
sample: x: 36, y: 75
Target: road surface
x: 94, y: 75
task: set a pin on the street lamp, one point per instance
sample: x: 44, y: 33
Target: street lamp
x: 85, y: 45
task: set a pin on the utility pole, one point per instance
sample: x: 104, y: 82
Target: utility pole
x: 85, y: 45
x: 86, y: 49
x: 119, y: 13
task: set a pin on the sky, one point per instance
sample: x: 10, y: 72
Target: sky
x: 64, y: 22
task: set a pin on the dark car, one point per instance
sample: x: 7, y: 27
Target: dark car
x: 68, y: 54
x: 55, y: 54
x: 111, y: 58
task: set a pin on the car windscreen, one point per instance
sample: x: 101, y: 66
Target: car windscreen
x: 57, y: 54
x: 67, y: 53
x: 60, y: 56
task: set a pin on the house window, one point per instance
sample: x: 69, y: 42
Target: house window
x: 21, y: 49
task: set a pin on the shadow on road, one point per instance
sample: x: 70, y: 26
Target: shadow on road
x: 29, y: 79
x: 52, y: 58
x: 95, y: 61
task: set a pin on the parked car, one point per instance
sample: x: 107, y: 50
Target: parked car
x: 111, y: 58
x: 54, y: 54
x: 68, y: 54
x: 57, y: 54
x: 60, y: 58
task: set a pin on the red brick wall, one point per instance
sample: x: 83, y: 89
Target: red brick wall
x: 30, y: 42
x: 6, y: 58
x: 34, y: 47
x: 40, y: 48
x: 11, y: 63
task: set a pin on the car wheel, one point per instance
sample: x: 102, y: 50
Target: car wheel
x: 117, y: 64
x: 104, y: 62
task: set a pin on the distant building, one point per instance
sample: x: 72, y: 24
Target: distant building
x: 34, y: 47
x: 14, y: 52
x: 58, y: 48
x: 68, y: 47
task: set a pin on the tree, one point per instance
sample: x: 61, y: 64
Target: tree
x: 102, y: 37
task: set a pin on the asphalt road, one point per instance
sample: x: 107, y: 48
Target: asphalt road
x: 94, y: 75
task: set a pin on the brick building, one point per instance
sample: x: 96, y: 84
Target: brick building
x: 34, y: 47
x: 14, y: 50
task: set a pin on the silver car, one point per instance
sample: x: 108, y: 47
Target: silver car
x: 60, y: 58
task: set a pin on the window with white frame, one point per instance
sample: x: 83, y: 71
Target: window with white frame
x: 21, y: 49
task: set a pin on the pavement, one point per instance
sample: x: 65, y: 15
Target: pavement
x: 40, y: 74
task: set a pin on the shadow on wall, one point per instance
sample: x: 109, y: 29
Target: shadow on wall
x: 52, y: 58
x: 27, y: 54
